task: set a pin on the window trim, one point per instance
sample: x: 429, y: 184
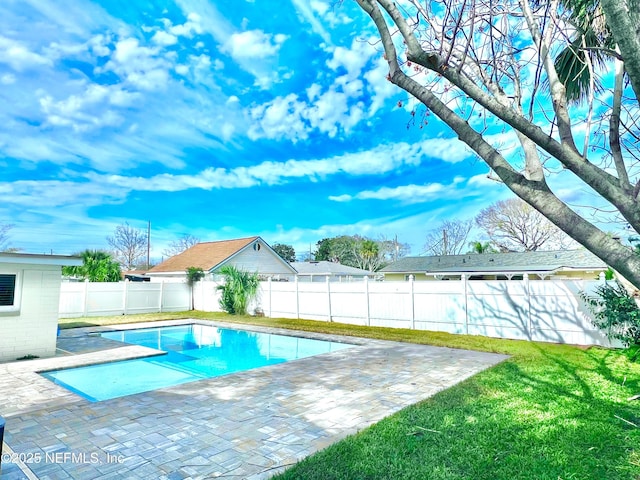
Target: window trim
x: 17, y: 294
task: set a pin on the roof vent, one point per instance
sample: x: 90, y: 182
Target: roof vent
x: 256, y: 247
x: 464, y: 261
x: 491, y: 259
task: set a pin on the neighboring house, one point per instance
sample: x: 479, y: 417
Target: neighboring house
x: 251, y: 254
x: 29, y: 303
x: 579, y: 264
x: 321, y: 270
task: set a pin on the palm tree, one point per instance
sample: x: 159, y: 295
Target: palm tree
x: 239, y: 289
x: 479, y: 247
x: 97, y: 266
x: 591, y: 45
x: 194, y: 274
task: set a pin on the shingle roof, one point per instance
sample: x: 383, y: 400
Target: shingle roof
x: 498, y: 262
x: 327, y: 268
x: 205, y: 255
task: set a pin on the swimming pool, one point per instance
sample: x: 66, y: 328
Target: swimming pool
x: 193, y: 352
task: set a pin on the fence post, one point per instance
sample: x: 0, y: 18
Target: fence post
x: 413, y: 303
x: 85, y: 298
x: 366, y: 299
x: 527, y: 294
x: 124, y: 296
x: 297, y: 298
x: 328, y: 297
x: 270, y: 309
x: 465, y: 292
x: 161, y: 296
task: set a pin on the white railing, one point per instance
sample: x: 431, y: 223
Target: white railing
x: 530, y: 310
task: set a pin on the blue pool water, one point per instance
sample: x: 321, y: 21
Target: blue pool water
x: 194, y: 352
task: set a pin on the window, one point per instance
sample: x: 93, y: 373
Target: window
x: 7, y: 290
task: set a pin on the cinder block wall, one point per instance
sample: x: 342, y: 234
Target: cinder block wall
x: 31, y: 330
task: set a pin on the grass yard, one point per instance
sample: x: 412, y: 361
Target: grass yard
x: 552, y: 412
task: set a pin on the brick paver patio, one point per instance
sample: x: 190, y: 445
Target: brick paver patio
x: 251, y: 424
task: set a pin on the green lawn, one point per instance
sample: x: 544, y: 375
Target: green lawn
x: 550, y: 412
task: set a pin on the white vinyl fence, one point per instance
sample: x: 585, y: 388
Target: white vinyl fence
x: 88, y: 299
x: 530, y: 310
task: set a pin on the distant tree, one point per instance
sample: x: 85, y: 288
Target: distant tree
x: 97, y: 266
x: 360, y: 252
x: 339, y: 249
x: 178, y: 246
x: 514, y: 226
x: 449, y: 238
x: 481, y: 247
x: 323, y: 250
x: 392, y: 249
x: 4, y: 238
x: 129, y: 246
x: 194, y: 275
x: 285, y: 251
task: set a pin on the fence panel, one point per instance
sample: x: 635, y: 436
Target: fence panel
x: 90, y: 299
x: 536, y: 310
x: 142, y: 297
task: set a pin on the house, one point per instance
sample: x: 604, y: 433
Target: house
x: 576, y: 264
x: 319, y: 271
x: 29, y: 303
x: 251, y: 254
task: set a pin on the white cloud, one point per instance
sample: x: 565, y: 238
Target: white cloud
x: 336, y: 110
x: 382, y: 159
x: 182, y: 69
x: 19, y: 57
x: 8, y: 79
x: 164, y: 38
x: 306, y: 11
x: 58, y: 193
x: 282, y: 117
x: 253, y: 44
x: 407, y: 194
x: 138, y: 65
x: 381, y: 89
x: 86, y: 111
x: 353, y: 59
x: 202, y: 16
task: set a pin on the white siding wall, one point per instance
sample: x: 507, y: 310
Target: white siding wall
x: 263, y: 261
x: 32, y: 330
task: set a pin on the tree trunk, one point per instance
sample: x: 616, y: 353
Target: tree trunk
x: 623, y: 17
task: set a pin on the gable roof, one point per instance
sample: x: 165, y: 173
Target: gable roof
x: 205, y: 255
x: 327, y: 268
x: 498, y: 262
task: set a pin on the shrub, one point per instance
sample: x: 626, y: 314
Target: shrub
x: 239, y: 289
x: 616, y: 313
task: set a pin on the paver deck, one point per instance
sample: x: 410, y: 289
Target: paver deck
x: 251, y: 424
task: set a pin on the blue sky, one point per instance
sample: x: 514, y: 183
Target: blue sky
x: 217, y: 119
